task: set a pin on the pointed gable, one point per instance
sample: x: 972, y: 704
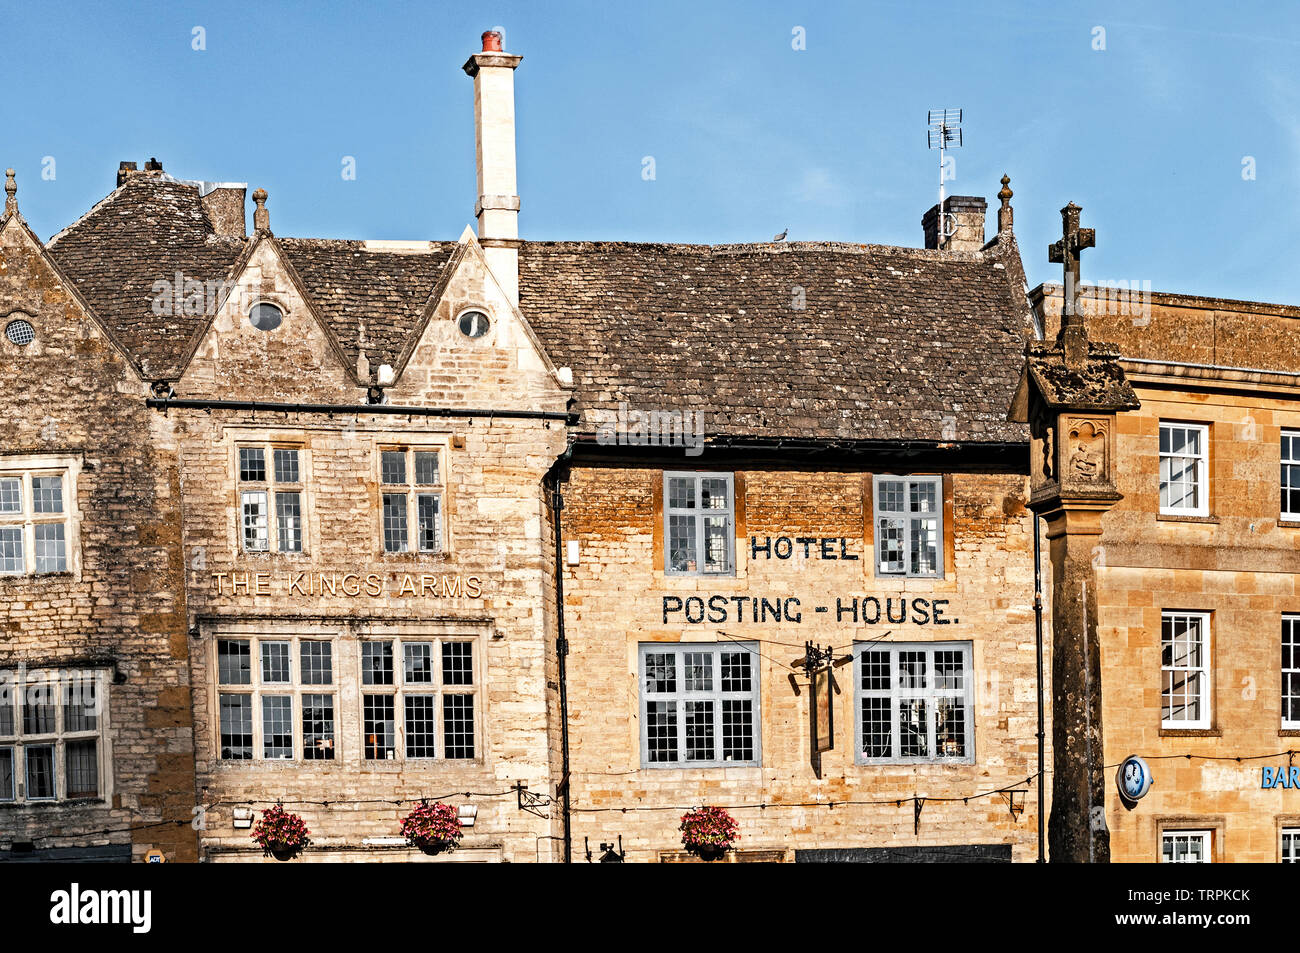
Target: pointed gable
x: 118, y: 256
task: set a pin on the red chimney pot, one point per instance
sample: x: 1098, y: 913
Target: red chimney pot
x: 491, y: 41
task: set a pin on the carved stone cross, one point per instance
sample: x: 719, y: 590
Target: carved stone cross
x: 1066, y: 253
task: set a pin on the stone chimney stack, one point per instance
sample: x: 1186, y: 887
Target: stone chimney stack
x: 965, y: 224
x: 497, y: 208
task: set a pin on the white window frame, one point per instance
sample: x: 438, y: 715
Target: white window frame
x: 1202, y: 473
x: 1204, y: 670
x: 295, y: 688
x: 682, y: 695
x: 931, y: 695
x: 907, y: 516
x: 696, y: 514
x: 1290, y: 473
x: 1290, y: 665
x: 15, y: 686
x: 1205, y: 836
x: 412, y: 492
x: 436, y: 687
x: 1289, y: 845
x: 271, y: 489
x: 25, y: 469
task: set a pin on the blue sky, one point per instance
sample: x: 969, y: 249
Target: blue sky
x: 749, y: 135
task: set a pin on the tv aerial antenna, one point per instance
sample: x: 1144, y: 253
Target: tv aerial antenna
x: 944, y: 133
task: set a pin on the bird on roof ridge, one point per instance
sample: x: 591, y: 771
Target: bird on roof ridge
x: 781, y: 237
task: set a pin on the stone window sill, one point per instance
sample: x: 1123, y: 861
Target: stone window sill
x: 1191, y: 732
x: 1288, y: 732
x: 1289, y: 524
x: 1175, y: 518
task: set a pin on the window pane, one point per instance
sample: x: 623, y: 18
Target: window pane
x: 458, y: 726
x: 40, y: 771
x: 376, y: 663
x: 426, y: 468
x: 82, y: 768
x: 889, y: 544
x: 318, y: 727
x: 877, y: 728
x: 6, y: 774
x: 252, y: 464
x: 236, y: 727
x: 11, y: 495
x: 950, y: 728
x: 716, y: 549
x: 421, y: 725
x: 286, y: 466
x: 80, y: 705
x: 697, y: 667
x: 38, y: 709
x: 660, y: 672
x: 234, y: 662
x: 275, y: 663
x: 699, y: 731
x: 911, y: 670
x: 912, y: 729
x: 316, y: 663
x: 875, y: 671
x: 661, y: 732
x: 395, y: 523
x: 948, y: 670
x: 457, y: 663
x: 890, y: 495
x: 925, y: 547
x: 736, y: 672
x: 713, y: 494
x: 430, y: 532
x: 377, y: 726
x: 8, y: 688
x: 47, y: 494
x: 737, y: 730
x: 277, y: 727
x: 254, y: 516
x: 418, y: 663
x: 392, y: 466
x: 923, y: 498
x: 11, y: 549
x: 681, y: 543
x: 288, y: 517
x: 681, y: 492
x: 51, y: 549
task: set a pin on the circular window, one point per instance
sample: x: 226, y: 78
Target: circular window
x: 474, y: 324
x: 265, y: 316
x: 20, y: 332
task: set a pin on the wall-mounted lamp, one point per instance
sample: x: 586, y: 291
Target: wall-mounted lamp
x: 243, y: 817
x: 467, y: 813
x: 1015, y: 802
x: 608, y: 854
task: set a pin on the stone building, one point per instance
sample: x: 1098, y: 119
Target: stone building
x: 1198, y: 611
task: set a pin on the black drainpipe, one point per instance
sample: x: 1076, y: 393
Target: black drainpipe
x: 1038, y: 627
x: 561, y: 650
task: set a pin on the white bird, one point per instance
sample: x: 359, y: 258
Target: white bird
x: 781, y: 237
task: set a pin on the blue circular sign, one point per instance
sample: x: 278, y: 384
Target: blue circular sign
x: 1134, y: 778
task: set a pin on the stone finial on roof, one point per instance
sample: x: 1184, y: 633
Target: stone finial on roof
x: 11, y: 193
x: 1005, y: 213
x: 261, y: 217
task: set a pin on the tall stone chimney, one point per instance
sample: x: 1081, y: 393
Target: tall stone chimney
x: 964, y: 216
x: 497, y: 208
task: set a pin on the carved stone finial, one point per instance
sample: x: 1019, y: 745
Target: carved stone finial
x: 11, y: 193
x: 1005, y: 215
x: 261, y: 217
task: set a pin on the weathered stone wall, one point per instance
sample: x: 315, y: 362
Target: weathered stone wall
x: 121, y: 606
x: 614, y: 602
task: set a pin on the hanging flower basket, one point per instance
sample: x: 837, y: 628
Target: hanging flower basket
x: 709, y: 832
x: 280, y: 833
x: 433, y: 828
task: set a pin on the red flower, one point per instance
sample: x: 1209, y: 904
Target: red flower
x: 280, y: 829
x: 708, y: 827
x: 432, y: 825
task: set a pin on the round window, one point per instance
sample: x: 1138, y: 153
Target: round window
x: 474, y: 324
x: 20, y: 332
x: 265, y: 316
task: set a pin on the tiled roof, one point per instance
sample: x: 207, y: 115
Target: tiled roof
x: 146, y: 231
x: 821, y: 340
